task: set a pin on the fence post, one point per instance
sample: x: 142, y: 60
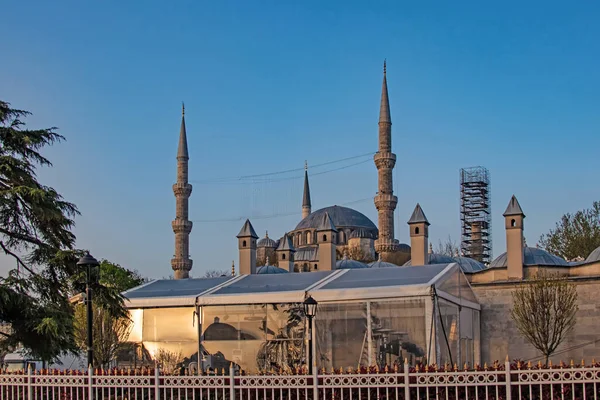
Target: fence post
x: 315, y: 376
x: 507, y: 373
x: 406, y: 380
x: 29, y: 385
x: 231, y: 382
x: 90, y: 387
x: 157, y: 382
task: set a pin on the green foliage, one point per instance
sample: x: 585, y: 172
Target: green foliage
x: 544, y: 311
x: 35, y: 229
x: 119, y: 278
x: 575, y: 235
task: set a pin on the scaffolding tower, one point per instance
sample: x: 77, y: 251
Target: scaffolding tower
x: 476, y: 214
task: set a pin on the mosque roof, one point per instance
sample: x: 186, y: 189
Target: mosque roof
x: 418, y: 216
x: 381, y: 264
x: 267, y: 242
x: 285, y: 243
x: 361, y: 233
x: 594, y: 256
x: 307, y: 254
x: 340, y: 216
x: 513, y: 208
x: 435, y: 258
x: 532, y: 256
x: 468, y: 264
x: 270, y: 269
x: 347, y: 263
x: 247, y: 231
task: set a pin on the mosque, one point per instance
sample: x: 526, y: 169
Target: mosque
x: 379, y: 300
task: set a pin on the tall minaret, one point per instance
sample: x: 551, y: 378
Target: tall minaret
x: 182, y: 226
x: 385, y: 201
x: 306, y: 208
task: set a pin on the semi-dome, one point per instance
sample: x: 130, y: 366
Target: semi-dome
x: 532, y: 256
x: 469, y: 265
x: 594, y: 256
x: 341, y: 217
x: 435, y: 258
x: 267, y: 242
x: 347, y: 263
x: 361, y: 233
x: 270, y: 269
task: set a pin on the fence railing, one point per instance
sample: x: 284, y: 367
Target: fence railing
x: 499, y: 381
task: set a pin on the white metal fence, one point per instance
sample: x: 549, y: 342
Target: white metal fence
x: 496, y: 382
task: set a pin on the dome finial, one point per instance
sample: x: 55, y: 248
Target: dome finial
x: 182, y: 108
x: 305, y: 165
x: 232, y: 268
x: 430, y: 248
x: 267, y: 234
x: 384, y: 66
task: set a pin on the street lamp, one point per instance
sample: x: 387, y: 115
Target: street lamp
x: 89, y: 263
x: 310, y: 310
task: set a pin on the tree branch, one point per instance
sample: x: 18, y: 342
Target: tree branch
x: 19, y: 261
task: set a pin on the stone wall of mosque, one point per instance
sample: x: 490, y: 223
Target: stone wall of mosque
x: 500, y: 337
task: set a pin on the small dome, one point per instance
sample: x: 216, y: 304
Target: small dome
x: 532, y: 256
x: 403, y: 248
x: 435, y: 258
x: 594, y: 256
x: 342, y: 217
x: 361, y: 233
x: 270, y: 269
x: 469, y: 265
x: 381, y: 264
x: 346, y: 263
x: 267, y: 242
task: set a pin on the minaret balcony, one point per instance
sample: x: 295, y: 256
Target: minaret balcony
x: 385, y: 201
x: 182, y: 189
x: 182, y: 226
x: 179, y: 264
x: 384, y: 160
x: 386, y: 245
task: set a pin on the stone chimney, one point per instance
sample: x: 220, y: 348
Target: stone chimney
x: 247, y: 249
x: 513, y: 223
x: 285, y: 254
x: 326, y: 238
x: 419, y: 237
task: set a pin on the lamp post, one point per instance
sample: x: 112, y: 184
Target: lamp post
x: 310, y: 310
x: 89, y: 263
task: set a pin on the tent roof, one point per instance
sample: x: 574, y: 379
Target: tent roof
x: 325, y: 286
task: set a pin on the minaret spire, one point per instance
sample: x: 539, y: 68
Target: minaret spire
x: 182, y: 226
x: 385, y: 160
x: 306, y: 206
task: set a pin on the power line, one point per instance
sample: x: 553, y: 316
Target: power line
x: 234, y: 219
x: 253, y: 178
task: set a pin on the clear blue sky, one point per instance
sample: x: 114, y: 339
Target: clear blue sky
x: 512, y: 86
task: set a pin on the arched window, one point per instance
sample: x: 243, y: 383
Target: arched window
x: 244, y: 243
x: 283, y: 256
x: 417, y: 230
x: 307, y: 237
x: 305, y: 268
x: 315, y: 267
x: 296, y: 268
x: 324, y: 238
x: 513, y: 223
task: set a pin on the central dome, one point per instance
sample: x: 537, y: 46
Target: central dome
x: 341, y: 217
